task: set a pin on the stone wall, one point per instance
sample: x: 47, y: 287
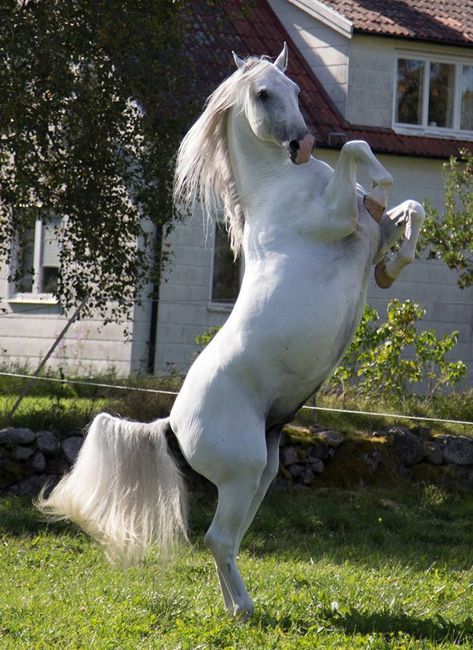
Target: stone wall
x: 387, y: 457
x: 29, y: 460
x: 312, y: 457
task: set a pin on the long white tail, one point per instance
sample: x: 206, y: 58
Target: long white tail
x: 124, y: 490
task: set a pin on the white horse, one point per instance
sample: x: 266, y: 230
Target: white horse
x: 308, y: 242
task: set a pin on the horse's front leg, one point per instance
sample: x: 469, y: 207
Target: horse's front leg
x: 340, y: 195
x: 404, y: 222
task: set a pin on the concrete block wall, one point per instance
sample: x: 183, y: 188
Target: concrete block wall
x: 326, y: 50
x: 28, y: 330
x: 185, y: 310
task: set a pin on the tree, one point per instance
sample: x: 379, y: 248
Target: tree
x: 90, y: 118
x: 449, y: 236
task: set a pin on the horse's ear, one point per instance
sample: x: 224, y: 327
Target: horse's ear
x: 281, y: 61
x: 238, y: 62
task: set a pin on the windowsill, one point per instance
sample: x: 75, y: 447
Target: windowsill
x: 45, y: 299
x: 223, y: 307
x: 439, y: 133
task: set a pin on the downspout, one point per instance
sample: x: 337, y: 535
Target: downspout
x: 153, y: 321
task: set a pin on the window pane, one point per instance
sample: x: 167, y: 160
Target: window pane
x: 410, y: 81
x: 226, y: 272
x: 49, y: 279
x: 25, y: 262
x: 50, y: 244
x: 441, y: 93
x: 49, y: 257
x: 467, y: 98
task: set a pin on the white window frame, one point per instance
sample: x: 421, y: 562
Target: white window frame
x: 35, y: 295
x: 424, y: 129
x: 214, y: 305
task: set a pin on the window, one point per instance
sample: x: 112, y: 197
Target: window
x: 226, y: 272
x: 467, y: 98
x: 37, y: 261
x: 434, y: 94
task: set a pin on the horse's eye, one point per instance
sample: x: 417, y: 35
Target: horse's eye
x: 262, y: 94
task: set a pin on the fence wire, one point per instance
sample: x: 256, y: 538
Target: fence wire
x: 157, y: 391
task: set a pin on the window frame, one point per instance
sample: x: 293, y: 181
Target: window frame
x: 35, y: 295
x: 216, y: 305
x: 453, y: 132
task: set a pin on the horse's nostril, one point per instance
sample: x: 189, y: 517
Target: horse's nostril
x: 294, y: 146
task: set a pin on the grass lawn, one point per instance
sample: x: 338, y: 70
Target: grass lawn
x: 42, y: 412
x: 327, y: 569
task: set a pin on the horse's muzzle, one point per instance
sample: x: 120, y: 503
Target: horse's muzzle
x: 301, y: 150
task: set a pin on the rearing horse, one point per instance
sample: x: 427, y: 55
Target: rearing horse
x: 308, y: 241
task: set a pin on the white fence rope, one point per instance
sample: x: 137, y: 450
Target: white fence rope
x: 170, y: 392
x: 89, y: 383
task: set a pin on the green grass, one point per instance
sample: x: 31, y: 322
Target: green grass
x: 67, y: 415
x: 327, y: 569
x: 69, y: 407
x: 452, y: 406
x: 67, y: 412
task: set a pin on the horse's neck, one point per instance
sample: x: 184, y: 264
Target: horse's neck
x: 256, y: 164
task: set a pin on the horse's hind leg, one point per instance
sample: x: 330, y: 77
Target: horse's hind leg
x: 222, y: 539
x: 270, y: 471
x: 267, y: 477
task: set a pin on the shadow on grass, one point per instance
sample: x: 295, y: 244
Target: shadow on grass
x: 436, y: 629
x: 416, y: 528
x: 385, y: 623
x: 19, y: 518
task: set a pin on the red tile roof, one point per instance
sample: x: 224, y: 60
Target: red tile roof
x: 444, y: 21
x: 253, y: 28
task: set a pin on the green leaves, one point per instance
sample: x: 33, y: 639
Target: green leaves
x: 449, y: 236
x: 390, y: 358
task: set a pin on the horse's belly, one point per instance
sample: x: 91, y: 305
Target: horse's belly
x: 316, y: 342
x: 303, y: 345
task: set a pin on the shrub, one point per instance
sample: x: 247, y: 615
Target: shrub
x: 205, y: 338
x: 394, y: 356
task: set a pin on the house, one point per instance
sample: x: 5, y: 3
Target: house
x: 398, y: 74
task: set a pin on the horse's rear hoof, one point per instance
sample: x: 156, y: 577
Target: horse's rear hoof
x: 243, y: 613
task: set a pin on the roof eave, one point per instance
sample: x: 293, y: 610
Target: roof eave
x: 416, y: 39
x: 326, y: 15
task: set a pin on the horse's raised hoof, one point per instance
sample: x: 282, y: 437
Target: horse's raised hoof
x: 383, y: 280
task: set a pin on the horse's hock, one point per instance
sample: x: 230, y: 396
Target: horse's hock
x: 315, y: 457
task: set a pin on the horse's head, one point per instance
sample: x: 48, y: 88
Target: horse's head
x: 272, y: 109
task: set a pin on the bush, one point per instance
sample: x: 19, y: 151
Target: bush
x: 393, y: 357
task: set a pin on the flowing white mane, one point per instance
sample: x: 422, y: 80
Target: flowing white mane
x: 203, y: 168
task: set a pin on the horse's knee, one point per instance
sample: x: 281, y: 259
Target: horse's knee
x: 214, y: 542
x: 414, y: 208
x: 221, y: 548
